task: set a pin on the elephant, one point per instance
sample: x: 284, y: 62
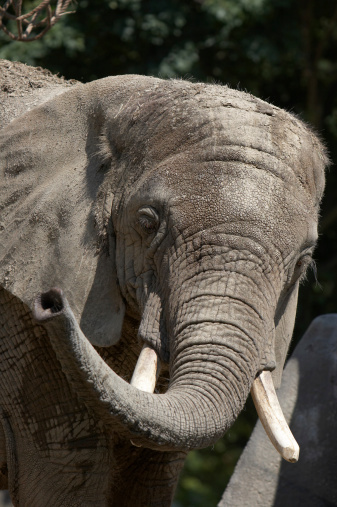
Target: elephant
x: 308, y: 396
x: 153, y: 238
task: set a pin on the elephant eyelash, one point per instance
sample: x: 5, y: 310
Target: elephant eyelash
x: 147, y: 224
x: 304, y: 276
x: 313, y: 267
x: 148, y: 220
x: 300, y: 269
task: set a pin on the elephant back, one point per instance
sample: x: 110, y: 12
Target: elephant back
x: 23, y: 87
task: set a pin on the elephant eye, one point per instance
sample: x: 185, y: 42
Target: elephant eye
x: 148, y: 219
x: 301, y: 267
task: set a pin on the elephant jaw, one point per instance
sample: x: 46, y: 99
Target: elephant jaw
x: 263, y: 393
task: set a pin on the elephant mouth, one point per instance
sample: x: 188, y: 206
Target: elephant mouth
x: 264, y: 396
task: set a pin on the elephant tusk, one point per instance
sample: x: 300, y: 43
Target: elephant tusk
x: 272, y: 418
x: 147, y: 370
x: 146, y: 373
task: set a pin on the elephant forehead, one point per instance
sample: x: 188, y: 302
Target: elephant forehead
x: 250, y: 195
x: 226, y: 125
x: 208, y: 123
x: 275, y: 143
x: 246, y: 200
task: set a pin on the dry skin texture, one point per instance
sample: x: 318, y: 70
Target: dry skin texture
x: 174, y: 214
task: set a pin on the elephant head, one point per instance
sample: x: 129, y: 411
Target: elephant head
x: 191, y: 209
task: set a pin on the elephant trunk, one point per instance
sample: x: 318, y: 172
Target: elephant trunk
x: 199, y: 406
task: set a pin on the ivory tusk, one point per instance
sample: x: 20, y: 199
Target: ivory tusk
x: 272, y: 418
x: 146, y: 373
x: 147, y: 370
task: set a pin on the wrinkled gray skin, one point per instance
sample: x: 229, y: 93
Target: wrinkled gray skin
x: 308, y: 396
x: 177, y: 214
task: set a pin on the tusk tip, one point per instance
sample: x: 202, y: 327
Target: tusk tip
x: 291, y: 454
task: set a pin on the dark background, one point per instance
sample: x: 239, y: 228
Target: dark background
x: 283, y: 51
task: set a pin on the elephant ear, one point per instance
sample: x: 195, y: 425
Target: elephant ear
x: 55, y: 202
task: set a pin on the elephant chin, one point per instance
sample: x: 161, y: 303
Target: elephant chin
x: 113, y: 398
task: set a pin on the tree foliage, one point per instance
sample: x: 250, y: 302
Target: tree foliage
x: 280, y: 50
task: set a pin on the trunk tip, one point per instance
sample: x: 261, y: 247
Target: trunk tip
x: 49, y: 303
